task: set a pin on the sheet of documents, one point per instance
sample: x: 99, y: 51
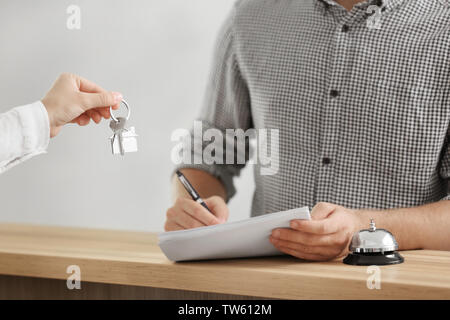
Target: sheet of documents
x: 246, y: 238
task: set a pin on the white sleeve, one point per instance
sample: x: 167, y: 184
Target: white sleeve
x: 24, y: 133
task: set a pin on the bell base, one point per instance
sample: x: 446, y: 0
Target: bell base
x: 374, y: 259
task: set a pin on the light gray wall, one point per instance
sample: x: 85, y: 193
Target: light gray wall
x: 157, y: 53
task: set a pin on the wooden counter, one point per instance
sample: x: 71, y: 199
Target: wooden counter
x: 133, y: 262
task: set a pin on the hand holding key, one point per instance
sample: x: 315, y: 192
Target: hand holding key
x: 77, y: 100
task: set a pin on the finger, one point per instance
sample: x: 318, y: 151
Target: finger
x: 187, y: 221
x: 302, y: 255
x: 89, y: 113
x: 321, y: 227
x: 218, y: 206
x: 172, y: 226
x: 197, y: 211
x: 104, y: 112
x: 83, y: 120
x: 96, y: 116
x: 103, y: 99
x: 75, y: 120
x: 182, y: 218
x: 85, y: 85
x: 322, y: 210
x: 325, y: 251
x: 308, y: 239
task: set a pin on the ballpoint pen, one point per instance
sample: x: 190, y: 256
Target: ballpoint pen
x: 190, y: 189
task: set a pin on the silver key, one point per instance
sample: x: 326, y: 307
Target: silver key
x: 117, y: 124
x: 123, y: 140
x: 118, y: 127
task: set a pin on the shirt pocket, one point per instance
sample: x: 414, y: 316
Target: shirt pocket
x: 402, y: 128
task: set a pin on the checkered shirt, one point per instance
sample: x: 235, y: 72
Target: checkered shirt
x: 361, y: 100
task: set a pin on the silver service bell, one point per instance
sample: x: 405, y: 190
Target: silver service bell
x: 373, y: 247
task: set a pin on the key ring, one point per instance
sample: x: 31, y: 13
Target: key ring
x: 126, y: 105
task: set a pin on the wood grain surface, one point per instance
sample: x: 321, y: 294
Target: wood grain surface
x: 134, y: 259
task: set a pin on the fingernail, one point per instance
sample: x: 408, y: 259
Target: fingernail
x: 276, y: 234
x: 294, y: 224
x: 273, y: 240
x: 117, y: 96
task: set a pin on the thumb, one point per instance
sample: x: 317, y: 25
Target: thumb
x: 218, y: 206
x: 322, y: 210
x: 102, y: 99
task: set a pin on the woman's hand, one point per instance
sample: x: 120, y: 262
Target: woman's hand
x: 77, y: 100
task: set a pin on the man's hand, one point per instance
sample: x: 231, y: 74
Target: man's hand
x: 325, y: 237
x: 187, y: 213
x: 77, y: 100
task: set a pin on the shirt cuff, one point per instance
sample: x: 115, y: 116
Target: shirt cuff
x: 34, y: 130
x: 219, y: 172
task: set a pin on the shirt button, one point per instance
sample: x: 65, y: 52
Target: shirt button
x: 326, y: 161
x: 345, y: 28
x: 334, y: 93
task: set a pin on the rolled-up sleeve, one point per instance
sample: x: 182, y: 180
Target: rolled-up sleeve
x: 24, y: 133
x: 226, y: 104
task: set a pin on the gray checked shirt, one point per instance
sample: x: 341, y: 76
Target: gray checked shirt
x: 361, y: 100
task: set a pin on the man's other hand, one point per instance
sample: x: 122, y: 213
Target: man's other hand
x: 325, y: 237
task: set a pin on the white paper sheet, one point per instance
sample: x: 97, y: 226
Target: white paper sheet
x: 246, y: 238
